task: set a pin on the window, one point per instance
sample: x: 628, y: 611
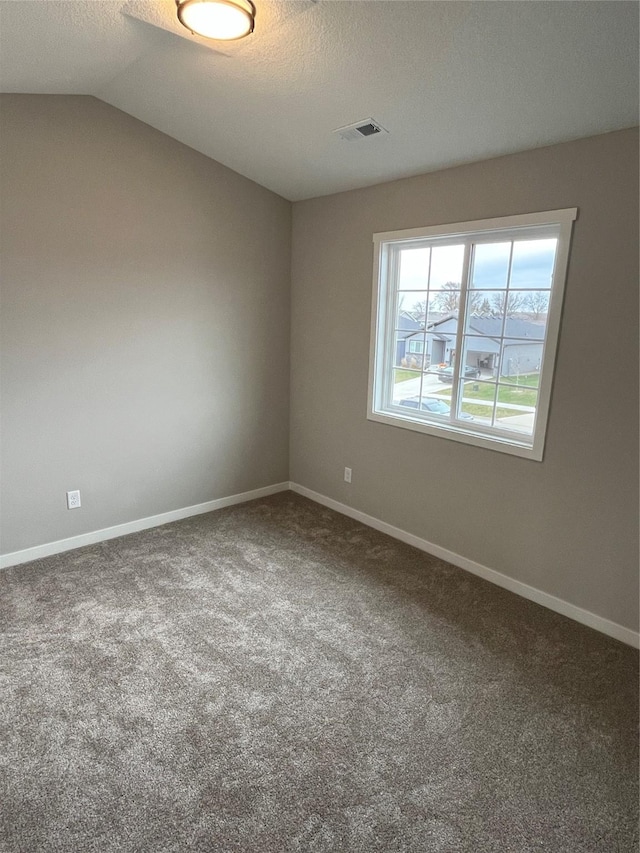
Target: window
x: 465, y: 328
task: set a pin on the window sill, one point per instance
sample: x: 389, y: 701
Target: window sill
x: 464, y: 435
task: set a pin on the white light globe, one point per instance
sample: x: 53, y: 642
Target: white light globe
x: 217, y: 19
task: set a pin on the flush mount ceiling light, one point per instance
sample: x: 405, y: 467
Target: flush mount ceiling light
x: 217, y: 19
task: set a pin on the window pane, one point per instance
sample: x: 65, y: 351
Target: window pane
x: 532, y: 264
x: 431, y: 405
x: 411, y: 310
x: 435, y: 316
x: 441, y: 347
x: 515, y: 303
x: 446, y: 275
x: 480, y: 355
x: 417, y: 351
x: 518, y: 324
x: 524, y: 380
x: 520, y: 359
x: 412, y: 358
x: 516, y: 408
x: 414, y: 269
x: 406, y: 353
x: 477, y: 402
x: 426, y: 406
x: 536, y: 306
x: 417, y: 308
x: 485, y: 311
x: 406, y: 383
x: 490, y: 265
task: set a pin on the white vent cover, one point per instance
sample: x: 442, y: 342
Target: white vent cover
x: 360, y: 130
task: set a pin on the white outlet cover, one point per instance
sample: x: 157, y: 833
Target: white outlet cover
x: 73, y: 499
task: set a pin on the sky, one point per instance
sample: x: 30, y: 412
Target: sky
x: 532, y: 265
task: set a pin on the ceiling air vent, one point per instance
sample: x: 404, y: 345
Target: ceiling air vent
x: 360, y: 129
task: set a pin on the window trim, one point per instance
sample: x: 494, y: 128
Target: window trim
x: 484, y: 231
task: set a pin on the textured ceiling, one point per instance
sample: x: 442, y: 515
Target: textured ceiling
x: 451, y: 81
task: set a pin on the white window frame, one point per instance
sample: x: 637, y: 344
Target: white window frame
x: 387, y: 245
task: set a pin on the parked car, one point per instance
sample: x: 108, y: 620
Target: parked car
x: 432, y: 405
x: 445, y: 374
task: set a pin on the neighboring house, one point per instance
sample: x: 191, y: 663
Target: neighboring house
x: 521, y: 352
x: 410, y: 343
x: 409, y: 339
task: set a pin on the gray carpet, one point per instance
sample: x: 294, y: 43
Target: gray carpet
x: 275, y: 677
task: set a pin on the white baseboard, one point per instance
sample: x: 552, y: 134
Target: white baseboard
x: 592, y: 620
x: 39, y: 551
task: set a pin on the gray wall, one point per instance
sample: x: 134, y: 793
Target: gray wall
x: 567, y: 525
x: 145, y: 322
x: 145, y: 337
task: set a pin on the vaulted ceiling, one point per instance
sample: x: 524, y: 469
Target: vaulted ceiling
x: 451, y: 81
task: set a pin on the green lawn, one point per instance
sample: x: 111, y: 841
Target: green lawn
x: 402, y: 375
x: 532, y: 380
x: 525, y: 394
x: 486, y: 411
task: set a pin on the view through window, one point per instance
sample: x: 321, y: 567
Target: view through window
x: 465, y: 328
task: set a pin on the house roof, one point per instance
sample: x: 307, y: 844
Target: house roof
x: 408, y: 323
x: 491, y: 327
x: 514, y: 327
x: 450, y: 82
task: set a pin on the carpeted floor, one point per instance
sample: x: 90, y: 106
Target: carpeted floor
x: 275, y: 677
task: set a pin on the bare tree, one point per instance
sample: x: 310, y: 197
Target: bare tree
x: 448, y: 299
x: 537, y: 303
x: 474, y: 298
x: 498, y: 301
x: 419, y: 311
x: 512, y: 306
x: 515, y: 304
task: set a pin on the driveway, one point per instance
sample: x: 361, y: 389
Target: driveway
x: 411, y: 387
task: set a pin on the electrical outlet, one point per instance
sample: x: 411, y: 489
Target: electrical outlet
x: 347, y: 475
x: 73, y: 499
